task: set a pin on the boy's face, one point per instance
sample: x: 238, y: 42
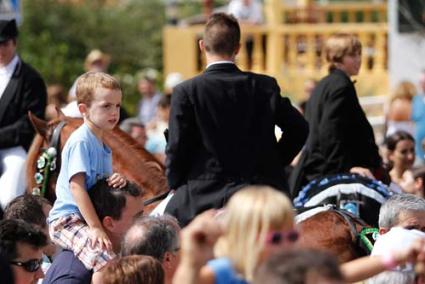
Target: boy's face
x: 104, y: 110
x: 351, y: 64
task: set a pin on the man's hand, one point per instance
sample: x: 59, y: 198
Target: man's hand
x: 362, y: 171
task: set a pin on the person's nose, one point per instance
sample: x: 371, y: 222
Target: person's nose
x: 39, y: 274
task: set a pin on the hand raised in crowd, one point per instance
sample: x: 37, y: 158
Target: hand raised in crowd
x: 117, y: 180
x: 199, y: 237
x: 98, y: 236
x: 197, y: 242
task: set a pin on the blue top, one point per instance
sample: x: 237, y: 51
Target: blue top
x: 67, y: 269
x: 224, y: 273
x: 418, y: 116
x: 83, y: 153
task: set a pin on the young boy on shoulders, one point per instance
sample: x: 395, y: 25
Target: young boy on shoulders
x: 73, y: 223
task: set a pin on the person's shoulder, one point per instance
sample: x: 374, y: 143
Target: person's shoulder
x: 264, y: 81
x: 29, y: 72
x: 66, y: 268
x: 262, y: 76
x: 333, y: 84
x: 81, y: 136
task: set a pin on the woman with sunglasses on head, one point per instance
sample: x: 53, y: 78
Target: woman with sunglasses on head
x: 256, y: 222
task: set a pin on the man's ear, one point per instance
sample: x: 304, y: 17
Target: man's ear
x: 108, y: 223
x: 201, y: 45
x: 166, y: 261
x: 383, y: 230
x: 238, y: 48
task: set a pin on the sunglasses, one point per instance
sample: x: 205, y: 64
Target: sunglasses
x: 277, y: 237
x: 31, y: 265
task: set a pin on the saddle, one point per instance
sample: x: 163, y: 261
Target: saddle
x: 358, y: 195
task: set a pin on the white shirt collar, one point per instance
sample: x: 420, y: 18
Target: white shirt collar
x: 220, y: 62
x: 9, y: 68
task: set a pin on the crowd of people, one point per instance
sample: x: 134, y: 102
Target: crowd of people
x: 229, y: 217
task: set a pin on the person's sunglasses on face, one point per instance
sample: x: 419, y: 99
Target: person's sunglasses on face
x: 31, y: 265
x: 278, y: 237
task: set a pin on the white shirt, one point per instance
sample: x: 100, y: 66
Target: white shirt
x: 220, y: 62
x: 6, y: 73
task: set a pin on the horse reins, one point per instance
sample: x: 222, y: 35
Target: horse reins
x: 359, y: 237
x: 47, y: 161
x: 156, y: 198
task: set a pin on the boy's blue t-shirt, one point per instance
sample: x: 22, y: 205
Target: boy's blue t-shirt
x: 82, y: 153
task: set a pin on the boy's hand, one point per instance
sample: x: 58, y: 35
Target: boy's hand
x: 117, y: 181
x: 98, y: 236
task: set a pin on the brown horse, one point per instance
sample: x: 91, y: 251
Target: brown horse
x: 129, y: 158
x: 336, y: 232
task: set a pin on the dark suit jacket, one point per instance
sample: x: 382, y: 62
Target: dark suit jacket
x: 340, y: 134
x: 221, y: 136
x: 25, y: 92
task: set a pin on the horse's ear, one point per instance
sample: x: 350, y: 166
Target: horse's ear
x: 59, y: 113
x: 39, y: 125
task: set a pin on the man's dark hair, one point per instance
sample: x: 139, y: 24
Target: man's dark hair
x: 13, y: 232
x: 152, y: 235
x: 293, y: 267
x: 109, y: 201
x: 222, y: 34
x: 28, y: 208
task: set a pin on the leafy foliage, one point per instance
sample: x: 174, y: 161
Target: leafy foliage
x: 56, y: 36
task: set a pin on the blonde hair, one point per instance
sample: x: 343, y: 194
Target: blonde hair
x: 404, y: 90
x: 90, y: 81
x: 340, y: 45
x: 250, y: 214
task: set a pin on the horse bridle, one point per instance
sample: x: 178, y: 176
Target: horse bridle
x: 47, y: 161
x: 358, y: 237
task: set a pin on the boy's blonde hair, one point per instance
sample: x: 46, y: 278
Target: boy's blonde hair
x: 90, y: 81
x: 250, y: 214
x: 340, y: 45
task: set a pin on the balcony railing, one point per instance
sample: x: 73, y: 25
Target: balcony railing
x: 293, y: 52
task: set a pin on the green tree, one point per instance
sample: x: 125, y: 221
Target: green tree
x: 55, y: 37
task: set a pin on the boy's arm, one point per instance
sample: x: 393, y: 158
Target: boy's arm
x: 78, y: 190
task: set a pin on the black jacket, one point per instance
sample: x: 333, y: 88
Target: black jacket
x: 340, y: 136
x: 25, y: 92
x: 221, y: 132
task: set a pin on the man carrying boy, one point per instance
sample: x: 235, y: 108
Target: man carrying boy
x: 73, y: 222
x: 116, y: 210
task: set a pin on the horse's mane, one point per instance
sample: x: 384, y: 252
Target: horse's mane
x: 126, y: 150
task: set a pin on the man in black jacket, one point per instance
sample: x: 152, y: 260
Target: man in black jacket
x: 221, y: 131
x: 21, y: 90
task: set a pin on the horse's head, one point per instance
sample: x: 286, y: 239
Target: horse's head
x: 44, y: 155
